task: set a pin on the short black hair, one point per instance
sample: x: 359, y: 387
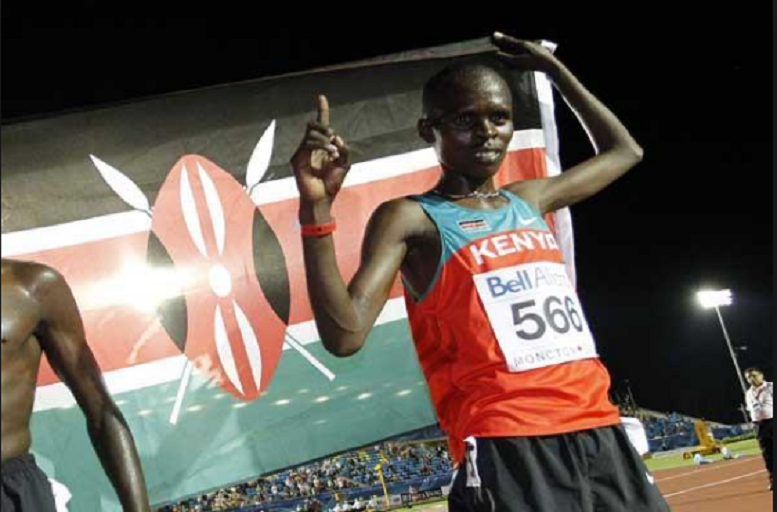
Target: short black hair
x: 754, y: 369
x: 456, y: 74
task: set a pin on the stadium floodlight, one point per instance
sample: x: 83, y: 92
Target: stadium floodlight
x: 715, y: 299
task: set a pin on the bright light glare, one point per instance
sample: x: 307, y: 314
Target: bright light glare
x: 709, y: 299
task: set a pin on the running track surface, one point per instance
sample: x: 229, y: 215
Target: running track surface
x: 733, y: 486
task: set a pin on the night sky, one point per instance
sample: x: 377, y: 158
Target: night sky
x: 693, y: 87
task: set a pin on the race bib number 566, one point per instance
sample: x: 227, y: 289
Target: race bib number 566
x: 536, y: 316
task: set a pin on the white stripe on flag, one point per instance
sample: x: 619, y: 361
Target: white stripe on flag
x: 130, y: 223
x: 75, y: 233
x: 163, y: 371
x: 564, y: 228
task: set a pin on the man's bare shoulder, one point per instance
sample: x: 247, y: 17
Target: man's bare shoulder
x: 402, y: 208
x: 33, y: 276
x: 402, y: 215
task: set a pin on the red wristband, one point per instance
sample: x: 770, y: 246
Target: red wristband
x: 316, y: 230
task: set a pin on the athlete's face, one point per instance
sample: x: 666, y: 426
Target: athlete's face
x: 474, y: 127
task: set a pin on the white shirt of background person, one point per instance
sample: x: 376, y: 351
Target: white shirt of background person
x: 760, y: 402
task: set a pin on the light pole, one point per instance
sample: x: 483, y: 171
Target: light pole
x: 631, y: 398
x: 714, y: 300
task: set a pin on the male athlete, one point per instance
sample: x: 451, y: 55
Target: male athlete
x: 511, y: 364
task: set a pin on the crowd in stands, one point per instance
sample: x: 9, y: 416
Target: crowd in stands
x: 669, y: 433
x: 672, y: 431
x: 325, y: 486
x: 398, y: 461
